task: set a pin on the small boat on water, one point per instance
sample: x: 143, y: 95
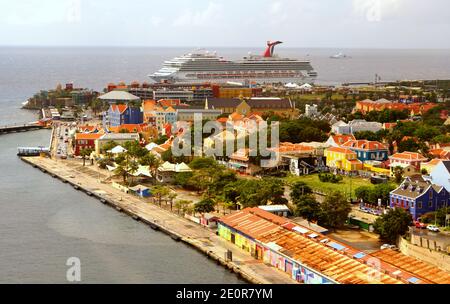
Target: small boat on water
x: 339, y: 56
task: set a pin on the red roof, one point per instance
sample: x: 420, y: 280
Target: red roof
x: 119, y: 107
x: 342, y: 139
x: 365, y: 145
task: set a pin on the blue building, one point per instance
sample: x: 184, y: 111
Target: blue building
x: 368, y: 150
x: 419, y: 196
x: 122, y: 114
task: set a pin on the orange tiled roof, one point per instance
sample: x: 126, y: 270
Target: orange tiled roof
x: 344, y: 265
x: 290, y: 147
x: 236, y: 116
x: 148, y: 105
x: 119, y: 107
x: 132, y: 128
x: 87, y: 136
x: 169, y: 102
x: 409, y: 156
x: 365, y: 145
x: 342, y: 139
x: 414, y: 266
x: 440, y: 153
x: 340, y: 150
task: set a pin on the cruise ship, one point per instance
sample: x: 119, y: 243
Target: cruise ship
x: 207, y: 67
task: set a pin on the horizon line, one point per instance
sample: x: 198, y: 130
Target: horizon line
x: 221, y: 47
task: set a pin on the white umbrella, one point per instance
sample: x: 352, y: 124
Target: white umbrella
x: 118, y: 150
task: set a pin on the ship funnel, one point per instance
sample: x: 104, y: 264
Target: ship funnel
x: 270, y: 48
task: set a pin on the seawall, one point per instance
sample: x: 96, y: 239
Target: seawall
x: 154, y: 224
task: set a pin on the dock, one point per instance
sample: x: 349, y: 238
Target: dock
x: 176, y: 227
x: 20, y: 128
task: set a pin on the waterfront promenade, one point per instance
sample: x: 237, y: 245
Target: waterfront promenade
x: 203, y: 239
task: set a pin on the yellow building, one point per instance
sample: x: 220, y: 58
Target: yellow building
x: 343, y: 159
x: 244, y: 106
x: 235, y: 92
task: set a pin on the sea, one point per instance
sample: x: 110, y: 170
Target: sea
x: 43, y: 222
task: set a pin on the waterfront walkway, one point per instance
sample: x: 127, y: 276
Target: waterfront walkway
x: 20, y: 128
x: 203, y: 239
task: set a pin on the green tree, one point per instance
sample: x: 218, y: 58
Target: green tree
x: 121, y: 170
x: 86, y: 152
x: 162, y: 139
x: 392, y: 225
x: 335, y: 210
x: 152, y: 162
x: 307, y: 207
x: 160, y: 192
x: 204, y: 206
x: 108, y: 146
x: 182, y: 205
x: 299, y: 189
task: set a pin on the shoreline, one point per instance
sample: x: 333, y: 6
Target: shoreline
x: 211, y: 252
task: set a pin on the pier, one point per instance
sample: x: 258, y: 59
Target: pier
x: 20, y: 128
x: 176, y: 227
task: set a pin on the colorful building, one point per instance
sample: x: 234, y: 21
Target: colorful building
x: 368, y: 150
x: 339, y: 140
x: 408, y: 161
x: 368, y: 105
x: 122, y: 114
x: 85, y: 141
x: 419, y: 196
x: 118, y: 138
x: 343, y: 159
x: 306, y: 256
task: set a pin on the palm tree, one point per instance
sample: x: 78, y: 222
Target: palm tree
x: 160, y: 192
x: 182, y: 205
x: 171, y: 197
x: 86, y: 152
x: 122, y: 171
x: 152, y: 162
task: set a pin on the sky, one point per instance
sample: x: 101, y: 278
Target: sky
x: 221, y: 23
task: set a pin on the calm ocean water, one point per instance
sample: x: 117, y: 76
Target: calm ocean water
x: 43, y: 222
x: 24, y: 71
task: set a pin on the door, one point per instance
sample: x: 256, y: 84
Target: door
x: 233, y: 238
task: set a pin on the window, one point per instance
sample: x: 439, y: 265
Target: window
x: 430, y: 204
x: 431, y: 194
x: 419, y: 205
x: 412, y: 204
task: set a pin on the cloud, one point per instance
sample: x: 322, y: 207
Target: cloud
x: 375, y: 10
x: 156, y: 21
x: 208, y: 16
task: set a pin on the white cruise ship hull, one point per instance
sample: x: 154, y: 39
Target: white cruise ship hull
x: 208, y: 67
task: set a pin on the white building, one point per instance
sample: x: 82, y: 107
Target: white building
x: 357, y: 125
x: 311, y: 110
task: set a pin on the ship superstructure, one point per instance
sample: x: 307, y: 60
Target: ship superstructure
x: 204, y: 66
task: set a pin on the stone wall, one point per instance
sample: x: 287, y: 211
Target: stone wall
x: 438, y: 259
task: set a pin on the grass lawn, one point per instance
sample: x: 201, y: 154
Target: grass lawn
x: 345, y: 186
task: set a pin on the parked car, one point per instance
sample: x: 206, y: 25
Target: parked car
x: 420, y: 225
x: 433, y: 228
